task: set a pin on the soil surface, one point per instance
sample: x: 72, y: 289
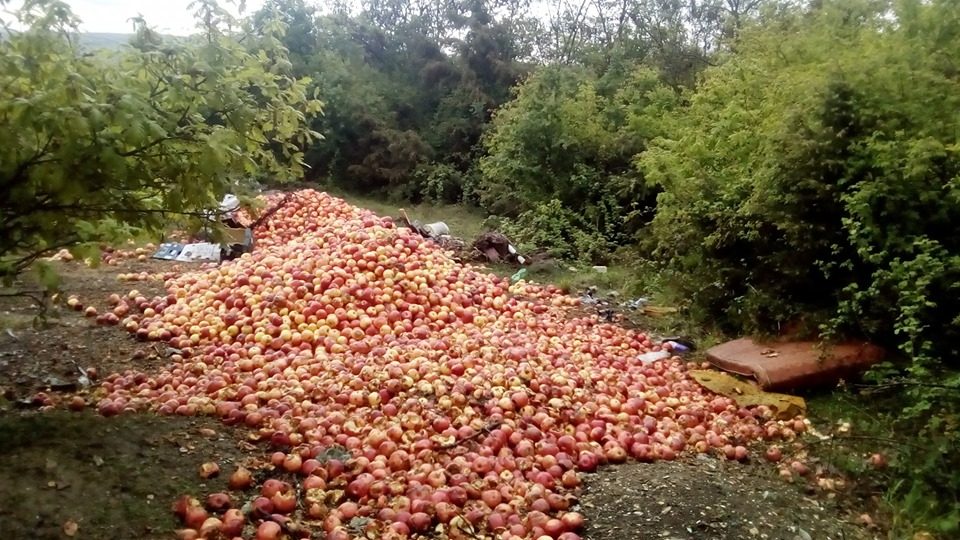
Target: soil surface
x: 52, y: 352
x: 111, y: 477
x: 704, y: 497
x: 116, y: 477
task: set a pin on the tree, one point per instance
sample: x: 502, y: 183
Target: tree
x: 410, y: 86
x: 679, y: 37
x: 103, y: 145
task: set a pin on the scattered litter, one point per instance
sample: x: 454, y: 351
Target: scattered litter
x: 70, y: 527
x: 520, y: 274
x: 658, y: 310
x: 168, y: 251
x: 636, y: 303
x: 437, y: 229
x: 229, y: 205
x: 680, y: 343
x: 599, y: 269
x: 11, y: 334
x: 85, y: 374
x: 653, y: 356
x: 588, y: 298
x: 425, y: 231
x: 749, y: 394
x: 58, y: 384
x: 677, y: 347
x: 201, y: 251
x: 495, y: 247
x: 236, y: 239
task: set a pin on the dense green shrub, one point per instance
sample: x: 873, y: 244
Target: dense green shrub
x: 815, y: 177
x: 558, y: 232
x: 562, y: 151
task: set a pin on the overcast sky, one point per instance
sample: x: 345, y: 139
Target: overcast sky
x: 167, y: 16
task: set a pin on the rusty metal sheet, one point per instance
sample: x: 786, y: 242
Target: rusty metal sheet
x: 779, y: 365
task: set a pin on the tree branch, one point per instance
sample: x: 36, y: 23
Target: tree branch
x: 19, y: 174
x: 21, y: 264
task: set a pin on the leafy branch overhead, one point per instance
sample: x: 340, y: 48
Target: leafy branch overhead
x: 104, y: 144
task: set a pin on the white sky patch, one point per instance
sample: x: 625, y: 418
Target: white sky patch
x: 172, y: 17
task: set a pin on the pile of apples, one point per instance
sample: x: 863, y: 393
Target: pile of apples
x: 457, y: 400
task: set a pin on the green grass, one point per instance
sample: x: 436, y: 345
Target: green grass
x: 623, y: 281
x: 464, y: 221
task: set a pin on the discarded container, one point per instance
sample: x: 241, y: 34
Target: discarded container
x: 522, y: 273
x: 600, y: 269
x: 436, y: 229
x: 229, y: 204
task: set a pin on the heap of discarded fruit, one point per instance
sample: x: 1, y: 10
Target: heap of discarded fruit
x: 410, y: 394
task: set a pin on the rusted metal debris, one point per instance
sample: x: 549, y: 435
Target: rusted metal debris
x: 794, y: 364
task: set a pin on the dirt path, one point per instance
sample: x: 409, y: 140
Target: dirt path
x: 115, y: 478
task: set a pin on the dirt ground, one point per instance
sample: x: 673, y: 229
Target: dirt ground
x: 705, y: 497
x: 112, y: 477
x: 52, y: 356
x: 116, y: 477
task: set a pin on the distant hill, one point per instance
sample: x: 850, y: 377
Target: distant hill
x: 103, y: 40
x: 92, y: 41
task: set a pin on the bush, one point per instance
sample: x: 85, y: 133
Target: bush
x: 563, y: 150
x: 438, y: 183
x: 815, y: 177
x: 558, y: 232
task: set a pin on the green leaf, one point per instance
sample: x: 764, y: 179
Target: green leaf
x: 47, y: 276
